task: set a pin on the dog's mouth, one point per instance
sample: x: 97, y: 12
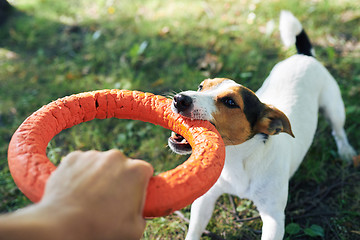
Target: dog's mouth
x: 179, y: 144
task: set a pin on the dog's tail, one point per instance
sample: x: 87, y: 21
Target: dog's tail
x: 292, y: 32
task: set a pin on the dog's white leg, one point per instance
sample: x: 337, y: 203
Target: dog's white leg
x: 273, y: 225
x: 333, y: 106
x: 201, y: 212
x: 270, y: 199
x: 345, y: 150
x: 272, y: 213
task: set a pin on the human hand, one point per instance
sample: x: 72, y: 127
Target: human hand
x: 99, y: 195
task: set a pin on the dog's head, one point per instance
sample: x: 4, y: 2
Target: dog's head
x: 233, y: 109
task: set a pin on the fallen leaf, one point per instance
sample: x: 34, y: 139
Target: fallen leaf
x: 356, y: 161
x: 164, y: 31
x: 111, y: 10
x: 209, y: 64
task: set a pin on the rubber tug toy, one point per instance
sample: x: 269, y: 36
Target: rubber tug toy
x: 167, y: 192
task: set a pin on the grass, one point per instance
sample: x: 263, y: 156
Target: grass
x: 50, y: 49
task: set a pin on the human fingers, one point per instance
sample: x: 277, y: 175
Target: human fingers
x: 142, y: 171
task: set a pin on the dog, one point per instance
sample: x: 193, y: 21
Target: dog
x: 266, y: 133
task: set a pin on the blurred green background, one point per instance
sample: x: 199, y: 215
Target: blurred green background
x: 51, y: 49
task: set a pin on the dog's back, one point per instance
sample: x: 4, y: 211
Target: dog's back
x: 300, y: 86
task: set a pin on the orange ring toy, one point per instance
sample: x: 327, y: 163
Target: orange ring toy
x: 166, y: 192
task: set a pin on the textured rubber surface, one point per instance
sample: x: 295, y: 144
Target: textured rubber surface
x: 167, y: 192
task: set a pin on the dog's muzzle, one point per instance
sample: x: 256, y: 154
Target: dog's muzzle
x: 182, y: 105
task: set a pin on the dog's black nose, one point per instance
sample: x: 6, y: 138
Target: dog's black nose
x: 182, y: 102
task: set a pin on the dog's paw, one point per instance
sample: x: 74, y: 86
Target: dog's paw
x: 347, y: 153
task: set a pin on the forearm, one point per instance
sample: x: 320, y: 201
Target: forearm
x: 33, y: 222
x: 91, y: 196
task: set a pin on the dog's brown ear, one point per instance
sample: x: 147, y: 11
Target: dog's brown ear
x: 272, y: 121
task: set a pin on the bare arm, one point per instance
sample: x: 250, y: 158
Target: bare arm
x: 92, y: 195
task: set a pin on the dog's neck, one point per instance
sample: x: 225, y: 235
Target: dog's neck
x: 252, y: 152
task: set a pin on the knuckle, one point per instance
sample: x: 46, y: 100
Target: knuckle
x: 71, y: 157
x: 142, y: 168
x: 116, y: 154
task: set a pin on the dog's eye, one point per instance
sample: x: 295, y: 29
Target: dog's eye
x: 229, y: 102
x: 200, y: 87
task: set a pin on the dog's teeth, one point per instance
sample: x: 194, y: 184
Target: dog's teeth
x: 183, y: 141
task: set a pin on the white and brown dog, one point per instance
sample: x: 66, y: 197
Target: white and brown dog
x: 259, y: 161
